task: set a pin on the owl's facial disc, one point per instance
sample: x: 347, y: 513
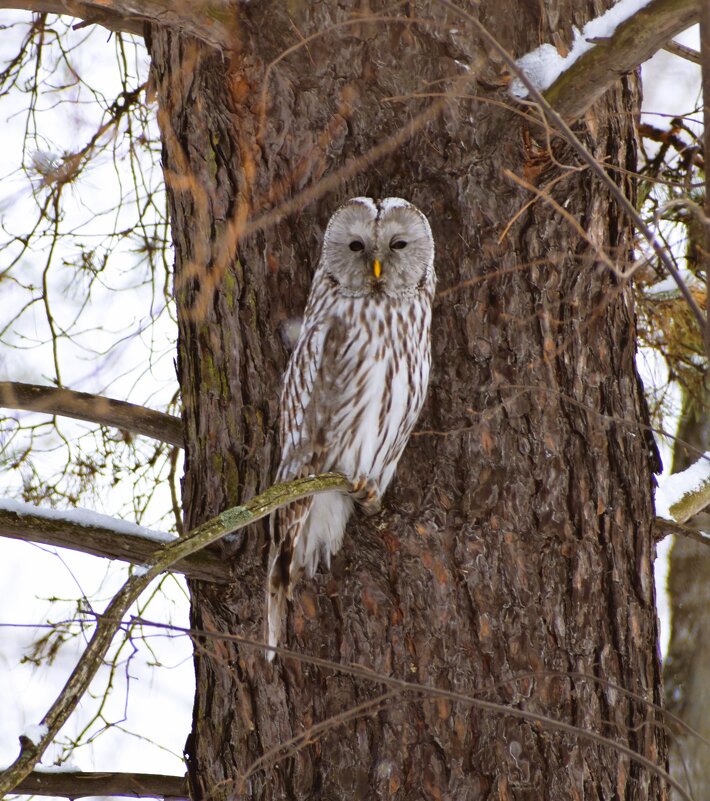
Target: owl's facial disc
x: 382, y: 248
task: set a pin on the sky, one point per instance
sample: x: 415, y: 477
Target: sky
x: 150, y: 706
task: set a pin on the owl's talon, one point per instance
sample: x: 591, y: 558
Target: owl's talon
x: 366, y: 491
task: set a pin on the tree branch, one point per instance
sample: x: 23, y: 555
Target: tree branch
x: 77, y: 784
x: 691, y: 503
x: 633, y: 42
x: 684, y: 52
x: 106, y: 542
x: 662, y: 528
x: 212, y: 22
x: 94, y: 408
x: 220, y: 526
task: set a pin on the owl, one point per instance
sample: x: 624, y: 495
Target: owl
x: 355, y: 383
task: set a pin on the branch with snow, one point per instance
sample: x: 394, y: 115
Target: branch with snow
x: 100, y: 535
x: 92, y: 408
x: 107, y: 625
x: 609, y: 46
x: 681, y: 496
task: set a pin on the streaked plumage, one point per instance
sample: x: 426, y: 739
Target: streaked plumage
x: 356, y: 381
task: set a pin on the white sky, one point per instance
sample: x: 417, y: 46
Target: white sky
x: 158, y: 706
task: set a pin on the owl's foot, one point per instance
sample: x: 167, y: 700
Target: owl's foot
x: 366, y: 491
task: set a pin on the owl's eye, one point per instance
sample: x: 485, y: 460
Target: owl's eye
x: 356, y: 246
x: 398, y: 244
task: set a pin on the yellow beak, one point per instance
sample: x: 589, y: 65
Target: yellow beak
x: 377, y: 268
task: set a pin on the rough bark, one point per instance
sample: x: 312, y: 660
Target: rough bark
x: 516, y: 538
x: 650, y: 29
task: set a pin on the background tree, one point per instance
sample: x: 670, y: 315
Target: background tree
x: 676, y: 194
x: 512, y: 561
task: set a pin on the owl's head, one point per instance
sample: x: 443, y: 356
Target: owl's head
x: 379, y: 247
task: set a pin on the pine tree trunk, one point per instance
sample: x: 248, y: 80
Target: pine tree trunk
x: 515, y: 543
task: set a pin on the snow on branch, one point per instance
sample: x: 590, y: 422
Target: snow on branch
x: 609, y: 46
x: 681, y: 496
x: 100, y: 535
x: 110, y: 621
x: 78, y: 784
x: 93, y: 408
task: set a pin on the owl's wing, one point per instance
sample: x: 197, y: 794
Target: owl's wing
x: 310, y: 387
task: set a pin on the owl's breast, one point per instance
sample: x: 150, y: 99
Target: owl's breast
x: 383, y: 380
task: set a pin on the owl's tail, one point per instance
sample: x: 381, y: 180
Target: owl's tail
x: 275, y: 611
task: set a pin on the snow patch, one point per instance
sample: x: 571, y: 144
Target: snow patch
x: 66, y: 767
x: 669, y: 284
x: 674, y: 487
x: 35, y: 732
x: 85, y: 517
x: 140, y: 570
x: 544, y: 65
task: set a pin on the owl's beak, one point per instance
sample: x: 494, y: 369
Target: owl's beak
x: 377, y: 268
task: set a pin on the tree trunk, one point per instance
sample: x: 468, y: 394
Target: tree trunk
x: 687, y: 666
x: 515, y: 540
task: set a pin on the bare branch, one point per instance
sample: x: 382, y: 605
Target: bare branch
x: 77, y: 784
x: 105, y: 542
x: 209, y: 21
x: 94, y: 408
x: 213, y: 530
x: 688, y: 53
x: 662, y: 527
x: 633, y: 42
